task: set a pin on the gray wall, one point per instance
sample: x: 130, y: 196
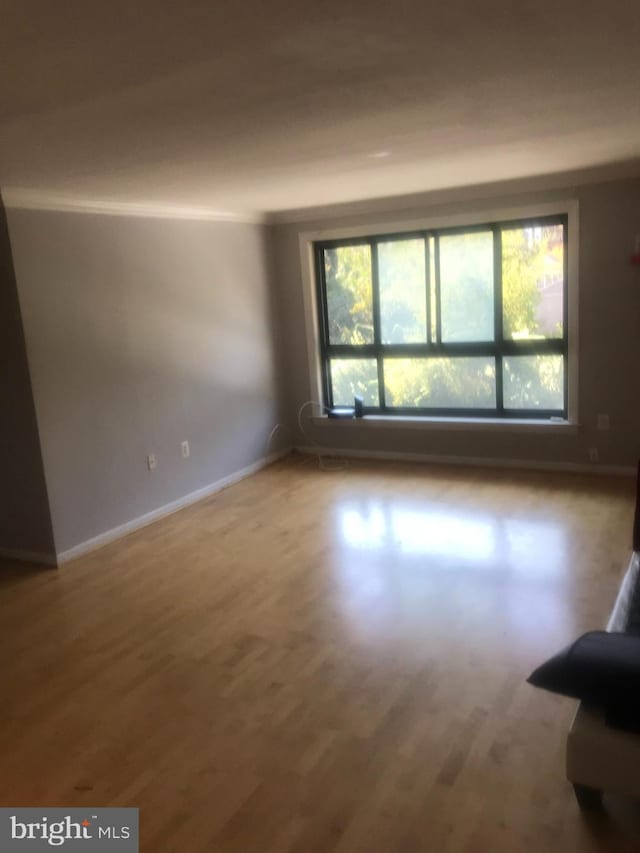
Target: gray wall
x: 609, y: 333
x: 141, y: 333
x: 25, y: 524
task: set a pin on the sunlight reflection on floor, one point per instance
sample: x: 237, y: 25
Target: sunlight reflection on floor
x: 488, y: 540
x: 428, y: 566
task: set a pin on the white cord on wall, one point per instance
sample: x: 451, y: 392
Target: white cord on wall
x: 322, y: 464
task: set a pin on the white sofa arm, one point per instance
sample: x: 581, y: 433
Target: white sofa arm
x: 600, y: 758
x: 620, y: 612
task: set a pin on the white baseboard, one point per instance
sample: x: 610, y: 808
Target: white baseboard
x: 472, y: 461
x: 167, y: 509
x: 28, y: 556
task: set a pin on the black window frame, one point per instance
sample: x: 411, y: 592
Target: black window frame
x: 498, y: 349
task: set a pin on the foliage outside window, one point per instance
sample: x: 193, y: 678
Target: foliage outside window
x: 455, y: 321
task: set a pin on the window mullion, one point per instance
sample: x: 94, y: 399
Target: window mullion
x: 427, y: 284
x: 498, y: 331
x: 327, y: 389
x: 377, y: 331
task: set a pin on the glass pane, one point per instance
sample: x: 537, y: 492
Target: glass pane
x: 466, y: 286
x: 533, y: 282
x: 403, y: 296
x: 349, y: 302
x: 533, y: 382
x: 351, y: 376
x: 440, y: 382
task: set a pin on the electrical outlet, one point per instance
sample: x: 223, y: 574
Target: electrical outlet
x: 593, y: 454
x: 603, y: 422
x: 151, y: 461
x: 185, y: 449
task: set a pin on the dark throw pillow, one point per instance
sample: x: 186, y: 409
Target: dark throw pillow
x: 602, y: 668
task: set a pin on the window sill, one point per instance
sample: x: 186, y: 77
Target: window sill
x: 451, y: 424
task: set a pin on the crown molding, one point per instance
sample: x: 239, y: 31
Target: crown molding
x: 469, y: 193
x: 27, y: 199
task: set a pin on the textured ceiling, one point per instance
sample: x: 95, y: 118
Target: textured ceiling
x: 268, y: 106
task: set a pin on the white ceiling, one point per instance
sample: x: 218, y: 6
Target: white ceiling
x: 267, y: 106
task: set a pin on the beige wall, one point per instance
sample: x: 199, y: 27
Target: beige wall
x: 25, y: 524
x: 609, y: 328
x: 142, y: 333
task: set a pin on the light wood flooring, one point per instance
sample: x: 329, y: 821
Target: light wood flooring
x: 315, y: 661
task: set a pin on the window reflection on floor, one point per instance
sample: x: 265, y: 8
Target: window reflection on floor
x: 535, y: 545
x: 429, y: 566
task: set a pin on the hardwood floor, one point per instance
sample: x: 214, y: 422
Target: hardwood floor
x: 315, y: 661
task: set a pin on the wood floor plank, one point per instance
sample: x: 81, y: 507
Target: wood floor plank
x: 312, y: 661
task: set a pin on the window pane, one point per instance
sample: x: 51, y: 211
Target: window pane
x: 533, y: 382
x: 440, y: 382
x: 351, y: 376
x: 533, y: 282
x: 349, y: 302
x: 466, y: 286
x: 403, y: 296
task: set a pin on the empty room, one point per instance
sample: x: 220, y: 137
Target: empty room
x: 320, y: 426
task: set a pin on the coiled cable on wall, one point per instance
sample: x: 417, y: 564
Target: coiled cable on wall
x: 317, y: 447
x: 322, y: 463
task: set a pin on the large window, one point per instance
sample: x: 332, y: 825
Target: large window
x: 466, y: 322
